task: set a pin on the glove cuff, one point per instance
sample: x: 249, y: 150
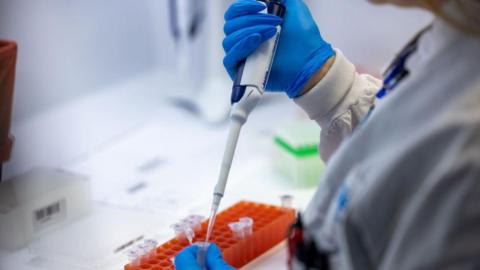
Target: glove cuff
x: 316, y: 62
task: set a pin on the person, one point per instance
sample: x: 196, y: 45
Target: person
x: 402, y: 187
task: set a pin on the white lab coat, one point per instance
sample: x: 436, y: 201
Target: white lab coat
x: 410, y: 175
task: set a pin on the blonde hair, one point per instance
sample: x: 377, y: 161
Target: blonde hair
x: 462, y: 14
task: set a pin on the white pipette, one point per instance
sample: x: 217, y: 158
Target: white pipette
x: 247, y: 90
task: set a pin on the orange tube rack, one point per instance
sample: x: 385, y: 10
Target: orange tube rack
x: 270, y: 224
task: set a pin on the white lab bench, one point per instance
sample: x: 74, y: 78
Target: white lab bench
x: 149, y: 164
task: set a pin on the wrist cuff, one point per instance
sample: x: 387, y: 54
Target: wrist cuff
x: 330, y: 90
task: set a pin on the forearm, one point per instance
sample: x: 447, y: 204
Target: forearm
x: 337, y: 98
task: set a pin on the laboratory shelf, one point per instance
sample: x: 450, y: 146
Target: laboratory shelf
x: 270, y: 224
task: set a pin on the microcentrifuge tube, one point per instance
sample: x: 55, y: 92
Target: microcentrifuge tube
x: 183, y: 232
x: 198, y: 217
x: 248, y: 225
x: 201, y: 254
x: 143, y: 250
x: 195, y: 222
x: 195, y: 226
x: 177, y: 228
x: 179, y: 232
x: 237, y: 229
x: 152, y: 245
x: 189, y: 234
x: 286, y: 201
x: 194, y: 217
x: 134, y: 256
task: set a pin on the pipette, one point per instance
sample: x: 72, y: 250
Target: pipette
x: 248, y: 87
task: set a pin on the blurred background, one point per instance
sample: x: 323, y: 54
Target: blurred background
x: 130, y: 94
x: 70, y: 50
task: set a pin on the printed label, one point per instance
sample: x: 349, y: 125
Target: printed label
x: 49, y: 214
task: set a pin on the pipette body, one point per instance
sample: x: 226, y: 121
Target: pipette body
x: 247, y: 91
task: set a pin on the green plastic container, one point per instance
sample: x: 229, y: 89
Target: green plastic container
x: 295, y: 153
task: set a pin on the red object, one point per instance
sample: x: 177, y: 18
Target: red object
x: 269, y: 229
x: 295, y: 237
x: 8, y: 57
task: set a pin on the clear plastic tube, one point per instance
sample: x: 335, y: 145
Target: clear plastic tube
x: 189, y: 234
x: 194, y: 222
x: 143, y: 251
x: 179, y: 232
x: 183, y: 232
x: 248, y: 225
x: 286, y: 201
x: 237, y: 229
x: 152, y: 245
x: 201, y: 254
x: 134, y: 256
x: 198, y: 218
x: 195, y: 226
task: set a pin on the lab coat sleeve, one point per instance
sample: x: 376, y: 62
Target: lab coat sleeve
x: 339, y: 102
x: 442, y: 230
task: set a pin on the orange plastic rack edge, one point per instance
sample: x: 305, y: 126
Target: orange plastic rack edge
x: 270, y: 224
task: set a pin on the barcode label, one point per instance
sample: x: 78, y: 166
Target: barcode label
x: 49, y: 214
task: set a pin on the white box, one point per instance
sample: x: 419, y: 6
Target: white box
x: 38, y: 202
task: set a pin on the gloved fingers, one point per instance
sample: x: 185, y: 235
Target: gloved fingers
x: 243, y: 7
x: 250, y: 20
x: 187, y: 259
x: 265, y: 31
x: 240, y: 51
x: 215, y: 260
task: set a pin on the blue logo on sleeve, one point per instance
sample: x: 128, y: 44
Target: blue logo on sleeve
x: 343, y: 199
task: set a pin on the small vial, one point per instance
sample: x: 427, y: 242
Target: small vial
x: 134, y: 256
x: 195, y: 222
x: 179, y: 232
x: 189, y: 234
x: 201, y: 253
x: 237, y: 230
x: 195, y: 218
x: 195, y: 226
x: 286, y: 201
x: 143, y: 251
x: 248, y: 225
x: 183, y: 232
x: 152, y: 245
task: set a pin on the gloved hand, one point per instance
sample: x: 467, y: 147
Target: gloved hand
x: 301, y: 50
x: 187, y: 259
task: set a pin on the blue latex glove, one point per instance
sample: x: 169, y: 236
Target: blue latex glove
x: 187, y: 259
x: 301, y: 50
